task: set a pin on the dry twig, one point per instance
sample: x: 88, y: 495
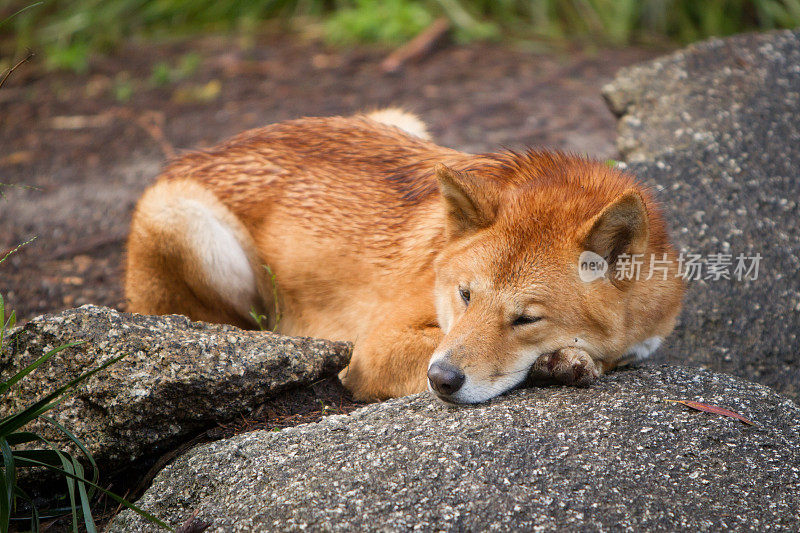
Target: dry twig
x: 418, y: 47
x: 15, y: 67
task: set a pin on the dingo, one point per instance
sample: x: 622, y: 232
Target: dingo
x: 447, y: 270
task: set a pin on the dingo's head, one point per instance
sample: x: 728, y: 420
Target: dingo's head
x: 509, y: 286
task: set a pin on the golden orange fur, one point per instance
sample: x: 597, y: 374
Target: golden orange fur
x: 370, y: 241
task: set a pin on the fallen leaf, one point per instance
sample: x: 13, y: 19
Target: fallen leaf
x: 713, y: 409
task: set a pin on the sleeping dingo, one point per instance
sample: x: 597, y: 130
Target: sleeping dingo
x: 449, y: 271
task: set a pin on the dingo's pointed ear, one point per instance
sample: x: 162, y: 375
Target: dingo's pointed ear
x: 467, y: 200
x: 622, y: 227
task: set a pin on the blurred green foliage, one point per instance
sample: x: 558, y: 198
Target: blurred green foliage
x: 164, y: 73
x: 395, y: 22
x: 68, y: 31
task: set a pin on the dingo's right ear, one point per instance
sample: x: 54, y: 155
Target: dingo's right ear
x: 622, y: 227
x: 467, y: 201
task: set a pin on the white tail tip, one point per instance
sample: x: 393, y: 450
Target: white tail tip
x: 408, y: 122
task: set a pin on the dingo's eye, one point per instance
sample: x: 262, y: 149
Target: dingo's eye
x: 522, y: 320
x: 465, y: 294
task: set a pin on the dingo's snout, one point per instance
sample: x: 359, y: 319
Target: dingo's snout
x: 445, y: 378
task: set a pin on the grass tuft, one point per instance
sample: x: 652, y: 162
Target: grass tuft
x: 21, y: 449
x: 24, y: 449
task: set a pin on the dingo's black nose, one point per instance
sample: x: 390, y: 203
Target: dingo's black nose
x: 445, y: 378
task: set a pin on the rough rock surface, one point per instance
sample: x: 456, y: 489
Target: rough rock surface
x: 177, y: 378
x: 714, y: 130
x: 615, y: 456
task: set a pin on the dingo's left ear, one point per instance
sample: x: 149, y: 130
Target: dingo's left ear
x: 622, y: 227
x: 468, y: 201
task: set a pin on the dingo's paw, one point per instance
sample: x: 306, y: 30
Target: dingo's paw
x: 568, y: 366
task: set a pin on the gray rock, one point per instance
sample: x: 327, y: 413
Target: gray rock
x: 714, y: 130
x: 178, y: 377
x: 616, y: 456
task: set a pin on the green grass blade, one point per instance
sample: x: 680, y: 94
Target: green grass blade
x: 52, y: 458
x: 3, y: 322
x: 21, y: 437
x: 86, y: 507
x: 13, y: 250
x: 76, y: 478
x: 5, y: 508
x: 16, y: 421
x: 3, y: 21
x: 31, y: 367
x: 11, y: 322
x: 34, y: 516
x: 67, y: 464
x: 118, y: 499
x: 77, y: 442
x: 10, y: 475
x: 70, y: 464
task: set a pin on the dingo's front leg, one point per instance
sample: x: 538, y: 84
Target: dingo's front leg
x: 393, y: 359
x: 568, y: 366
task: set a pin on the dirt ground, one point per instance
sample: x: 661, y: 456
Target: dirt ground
x: 85, y: 146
